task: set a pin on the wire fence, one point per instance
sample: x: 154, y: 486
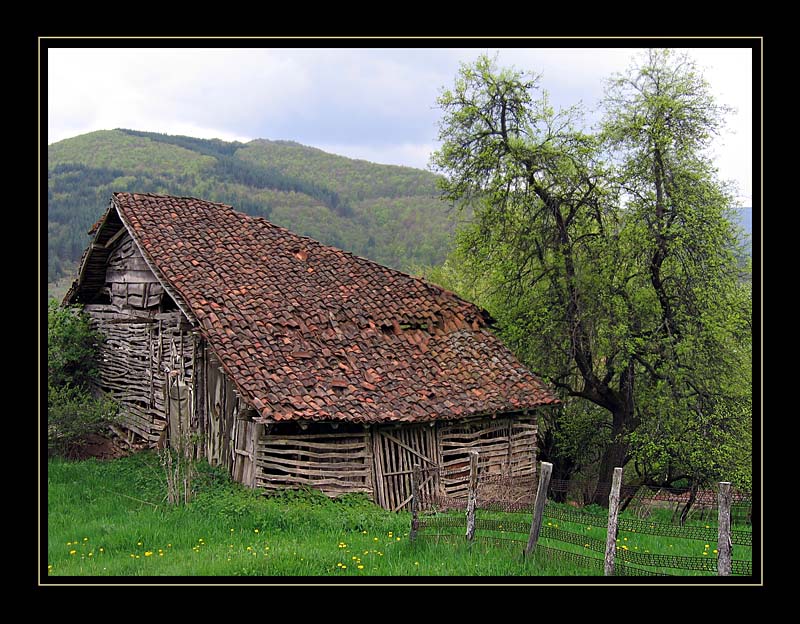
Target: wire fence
x: 503, y: 507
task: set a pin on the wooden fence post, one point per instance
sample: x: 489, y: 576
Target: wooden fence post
x: 538, y: 506
x: 416, y: 480
x: 472, y: 495
x: 724, y: 545
x: 613, y: 510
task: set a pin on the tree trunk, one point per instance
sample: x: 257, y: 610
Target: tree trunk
x: 613, y: 457
x: 690, y: 502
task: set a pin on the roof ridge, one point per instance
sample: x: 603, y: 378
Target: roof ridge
x: 166, y: 196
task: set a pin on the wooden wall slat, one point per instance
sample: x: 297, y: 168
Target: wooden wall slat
x: 333, y: 463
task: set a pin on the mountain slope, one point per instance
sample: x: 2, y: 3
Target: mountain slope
x: 387, y: 213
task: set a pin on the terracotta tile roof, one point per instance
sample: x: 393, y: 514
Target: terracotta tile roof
x: 308, y: 331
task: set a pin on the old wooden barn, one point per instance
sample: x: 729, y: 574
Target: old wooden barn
x: 295, y: 363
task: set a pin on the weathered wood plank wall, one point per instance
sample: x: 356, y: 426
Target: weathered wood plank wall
x: 506, y: 446
x: 129, y: 281
x: 142, y: 350
x: 335, y: 463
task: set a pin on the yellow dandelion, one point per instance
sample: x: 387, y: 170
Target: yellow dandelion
x: 706, y: 546
x: 366, y: 552
x: 69, y: 543
x: 249, y: 548
x: 364, y: 532
x: 85, y: 539
x: 102, y: 549
x: 416, y: 563
x: 715, y: 551
x: 398, y: 539
x: 549, y: 524
x: 705, y: 552
x: 50, y: 567
x: 138, y: 557
x: 138, y: 543
x: 361, y: 567
x: 625, y: 538
x: 344, y: 567
x: 255, y: 530
x: 148, y: 553
x: 90, y: 554
x: 231, y: 530
x: 161, y: 554
x: 708, y: 526
x: 375, y: 539
x: 132, y: 555
x: 354, y: 557
x: 588, y: 528
x: 586, y: 545
x: 169, y: 545
x: 72, y: 552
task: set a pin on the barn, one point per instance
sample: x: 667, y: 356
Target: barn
x: 293, y: 363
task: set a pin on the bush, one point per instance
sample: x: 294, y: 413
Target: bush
x: 71, y: 345
x: 72, y: 412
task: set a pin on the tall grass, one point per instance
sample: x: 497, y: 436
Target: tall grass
x: 111, y: 519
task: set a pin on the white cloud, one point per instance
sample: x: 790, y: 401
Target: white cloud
x: 407, y: 154
x: 376, y: 104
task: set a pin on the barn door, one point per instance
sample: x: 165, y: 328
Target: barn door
x: 244, y: 449
x: 395, y: 451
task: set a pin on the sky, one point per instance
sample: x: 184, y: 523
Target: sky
x: 377, y: 104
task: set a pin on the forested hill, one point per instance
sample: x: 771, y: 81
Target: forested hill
x: 387, y: 213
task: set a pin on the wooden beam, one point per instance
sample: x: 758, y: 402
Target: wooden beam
x: 613, y: 510
x: 538, y: 506
x: 408, y: 448
x: 473, y: 494
x: 114, y: 238
x: 724, y: 545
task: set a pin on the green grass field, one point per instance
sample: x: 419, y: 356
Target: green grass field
x: 109, y: 519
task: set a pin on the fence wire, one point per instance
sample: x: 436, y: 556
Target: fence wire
x: 702, y: 534
x: 516, y: 495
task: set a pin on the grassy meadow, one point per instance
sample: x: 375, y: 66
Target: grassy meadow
x: 109, y: 519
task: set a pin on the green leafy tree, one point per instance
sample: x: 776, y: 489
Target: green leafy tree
x: 72, y: 411
x: 606, y: 258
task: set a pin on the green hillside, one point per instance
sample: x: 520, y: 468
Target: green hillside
x: 387, y: 213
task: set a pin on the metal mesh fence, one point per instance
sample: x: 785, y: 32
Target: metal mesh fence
x: 514, y: 497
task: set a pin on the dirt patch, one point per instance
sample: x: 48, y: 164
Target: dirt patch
x: 99, y: 447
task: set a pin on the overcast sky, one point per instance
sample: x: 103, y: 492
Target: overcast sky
x: 375, y: 104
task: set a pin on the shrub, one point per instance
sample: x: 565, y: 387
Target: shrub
x: 71, y: 345
x: 72, y: 411
x: 73, y: 414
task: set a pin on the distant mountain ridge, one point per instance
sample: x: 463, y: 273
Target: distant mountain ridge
x: 387, y: 213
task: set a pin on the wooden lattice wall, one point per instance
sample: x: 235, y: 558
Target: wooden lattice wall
x: 142, y: 352
x: 335, y: 462
x: 380, y: 460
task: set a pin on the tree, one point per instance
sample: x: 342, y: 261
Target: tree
x: 608, y: 256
